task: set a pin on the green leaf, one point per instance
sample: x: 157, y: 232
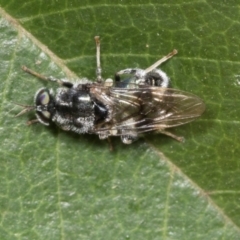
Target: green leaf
x: 58, y: 185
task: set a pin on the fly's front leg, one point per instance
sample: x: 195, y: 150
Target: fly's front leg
x: 52, y: 79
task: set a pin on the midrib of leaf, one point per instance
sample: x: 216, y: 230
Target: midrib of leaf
x: 22, y: 31
x: 203, y: 194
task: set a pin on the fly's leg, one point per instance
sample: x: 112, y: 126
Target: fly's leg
x: 156, y: 77
x: 108, y: 82
x: 98, y: 69
x: 139, y: 73
x: 110, y: 145
x: 30, y: 122
x: 160, y: 61
x: 52, y: 79
x: 178, y: 138
x: 151, y: 76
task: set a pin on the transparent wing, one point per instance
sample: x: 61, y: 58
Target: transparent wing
x: 151, y: 108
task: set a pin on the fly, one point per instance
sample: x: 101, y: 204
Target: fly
x: 140, y: 102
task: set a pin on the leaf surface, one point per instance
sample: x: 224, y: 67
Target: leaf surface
x: 58, y: 185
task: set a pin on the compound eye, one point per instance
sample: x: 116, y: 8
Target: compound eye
x: 42, y: 99
x: 46, y: 114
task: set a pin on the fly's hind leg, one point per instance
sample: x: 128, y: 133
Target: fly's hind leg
x: 178, y: 138
x: 45, y: 78
x: 160, y: 61
x: 150, y: 76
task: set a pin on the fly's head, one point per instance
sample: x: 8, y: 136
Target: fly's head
x: 43, y: 105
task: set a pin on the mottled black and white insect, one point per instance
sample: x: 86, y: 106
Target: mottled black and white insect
x: 139, y: 103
